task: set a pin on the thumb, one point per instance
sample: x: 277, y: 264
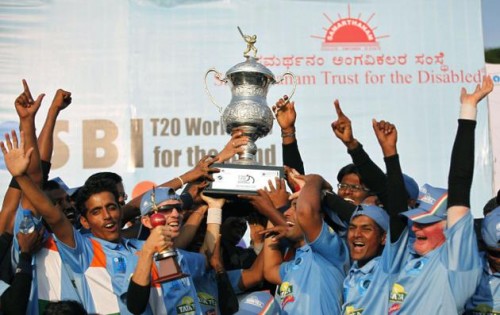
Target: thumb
x: 39, y: 99
x: 29, y: 153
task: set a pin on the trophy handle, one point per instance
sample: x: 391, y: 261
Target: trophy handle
x: 294, y: 82
x: 218, y: 76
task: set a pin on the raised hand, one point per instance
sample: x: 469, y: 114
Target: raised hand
x: 387, y: 136
x: 26, y: 107
x: 277, y: 193
x: 203, y: 169
x: 275, y: 233
x: 234, y: 146
x: 289, y: 177
x: 16, y: 159
x: 61, y: 100
x: 261, y: 202
x: 342, y: 128
x: 479, y: 93
x: 217, y: 203
x: 285, y: 114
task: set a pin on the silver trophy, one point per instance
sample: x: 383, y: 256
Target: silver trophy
x: 247, y: 111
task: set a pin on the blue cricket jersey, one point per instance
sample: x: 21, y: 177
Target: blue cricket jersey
x: 441, y: 281
x: 179, y: 296
x: 312, y: 282
x: 105, y: 270
x: 486, y: 299
x: 52, y: 279
x: 366, y: 289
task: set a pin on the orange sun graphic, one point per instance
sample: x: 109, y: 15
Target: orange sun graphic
x: 349, y: 32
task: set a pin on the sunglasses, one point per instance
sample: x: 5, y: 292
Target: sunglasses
x: 167, y: 208
x: 352, y: 187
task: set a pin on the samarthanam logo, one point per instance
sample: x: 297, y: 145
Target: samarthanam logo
x: 350, y: 33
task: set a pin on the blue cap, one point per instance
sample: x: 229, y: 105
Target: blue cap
x: 375, y: 213
x: 490, y: 229
x: 161, y: 194
x: 64, y: 186
x: 432, y: 205
x: 411, y: 187
x: 258, y: 302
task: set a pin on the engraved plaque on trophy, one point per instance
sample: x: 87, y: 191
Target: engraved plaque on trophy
x: 248, y: 112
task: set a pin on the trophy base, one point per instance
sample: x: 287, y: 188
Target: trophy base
x: 240, y: 179
x: 169, y: 270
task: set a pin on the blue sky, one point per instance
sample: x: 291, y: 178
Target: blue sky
x: 491, y: 23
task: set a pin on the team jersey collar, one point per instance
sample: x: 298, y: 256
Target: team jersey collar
x: 124, y: 243
x: 367, y: 268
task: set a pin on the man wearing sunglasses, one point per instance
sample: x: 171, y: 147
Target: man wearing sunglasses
x: 170, y: 296
x: 486, y: 299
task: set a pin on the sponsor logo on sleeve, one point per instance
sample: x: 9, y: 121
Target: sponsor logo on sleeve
x: 286, y: 294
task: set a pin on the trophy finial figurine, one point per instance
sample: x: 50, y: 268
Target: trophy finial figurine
x: 250, y: 40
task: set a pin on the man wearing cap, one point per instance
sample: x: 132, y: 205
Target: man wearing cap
x: 368, y: 282
x: 442, y: 268
x: 170, y: 296
x: 486, y: 299
x: 310, y: 283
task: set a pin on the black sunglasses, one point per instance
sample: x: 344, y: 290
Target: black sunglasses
x: 167, y: 208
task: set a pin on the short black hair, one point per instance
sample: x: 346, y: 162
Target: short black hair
x: 490, y: 205
x: 94, y: 187
x: 348, y: 169
x: 51, y: 185
x: 105, y: 175
x: 257, y: 218
x: 67, y: 307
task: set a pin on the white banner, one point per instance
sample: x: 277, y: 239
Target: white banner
x: 136, y: 71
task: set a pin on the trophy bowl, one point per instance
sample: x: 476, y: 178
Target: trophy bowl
x: 248, y: 112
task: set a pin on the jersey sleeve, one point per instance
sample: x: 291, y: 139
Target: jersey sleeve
x: 79, y: 257
x: 461, y: 257
x: 331, y: 246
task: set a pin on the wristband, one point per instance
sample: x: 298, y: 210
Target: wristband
x: 468, y: 112
x: 180, y: 179
x: 285, y: 135
x: 214, y: 216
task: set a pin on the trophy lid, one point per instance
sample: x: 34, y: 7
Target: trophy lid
x: 251, y: 65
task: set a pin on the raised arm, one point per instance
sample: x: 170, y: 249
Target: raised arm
x: 309, y: 215
x: 26, y: 108
x: 201, y: 171
x: 61, y: 100
x: 285, y: 114
x: 462, y: 155
x: 234, y: 146
x: 272, y: 256
x: 17, y: 161
x: 140, y: 283
x: 396, y: 203
x: 373, y: 177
